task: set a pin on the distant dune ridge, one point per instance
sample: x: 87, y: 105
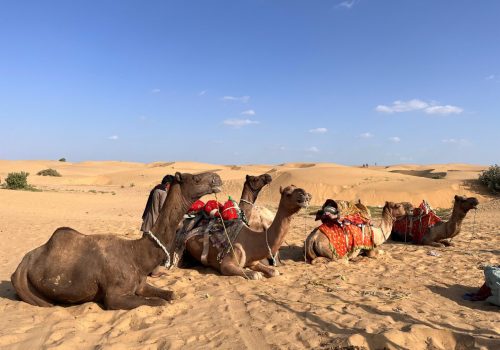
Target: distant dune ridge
x: 406, y: 298
x: 372, y: 185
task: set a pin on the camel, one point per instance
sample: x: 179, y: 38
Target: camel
x: 251, y: 246
x: 318, y: 248
x: 437, y: 235
x: 73, y: 268
x: 251, y: 189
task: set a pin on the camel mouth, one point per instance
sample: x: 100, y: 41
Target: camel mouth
x: 216, y: 189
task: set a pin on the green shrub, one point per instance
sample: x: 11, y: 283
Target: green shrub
x: 491, y: 178
x: 62, y: 159
x: 49, y: 172
x: 17, y: 181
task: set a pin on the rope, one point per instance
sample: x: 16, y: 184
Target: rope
x: 273, y: 257
x: 305, y: 233
x: 167, y: 261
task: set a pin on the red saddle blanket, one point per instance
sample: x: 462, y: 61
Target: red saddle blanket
x: 346, y: 237
x: 415, y: 226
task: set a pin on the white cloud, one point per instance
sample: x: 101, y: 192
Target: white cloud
x: 113, y: 137
x: 248, y: 112
x: 156, y: 91
x: 460, y: 142
x: 443, y: 110
x: 243, y: 99
x: 318, y: 130
x: 313, y: 149
x: 402, y: 106
x: 348, y: 4
x: 490, y: 77
x: 238, y: 123
x: 395, y: 139
x: 201, y: 93
x: 418, y: 105
x: 366, y: 135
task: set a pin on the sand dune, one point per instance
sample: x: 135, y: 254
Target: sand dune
x: 404, y: 299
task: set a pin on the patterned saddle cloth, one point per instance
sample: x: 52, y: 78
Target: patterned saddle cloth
x: 354, y: 233
x: 413, y: 227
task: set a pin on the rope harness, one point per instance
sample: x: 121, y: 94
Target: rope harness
x: 157, y: 241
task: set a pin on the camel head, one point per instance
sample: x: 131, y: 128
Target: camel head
x: 195, y: 186
x: 465, y: 204
x: 256, y: 183
x: 294, y: 198
x: 395, y: 209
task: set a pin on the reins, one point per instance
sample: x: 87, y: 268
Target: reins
x: 157, y: 241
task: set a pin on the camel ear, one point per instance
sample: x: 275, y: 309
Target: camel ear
x: 178, y: 177
x: 456, y: 197
x: 281, y: 190
x: 247, y: 177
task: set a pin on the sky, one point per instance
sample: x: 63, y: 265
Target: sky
x: 250, y: 82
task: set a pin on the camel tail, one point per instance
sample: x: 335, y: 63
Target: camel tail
x: 309, y: 246
x: 24, y: 289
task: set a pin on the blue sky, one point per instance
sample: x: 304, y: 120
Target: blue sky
x: 258, y: 81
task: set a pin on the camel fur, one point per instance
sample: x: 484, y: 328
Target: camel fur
x: 73, y: 268
x: 318, y: 248
x: 251, y: 246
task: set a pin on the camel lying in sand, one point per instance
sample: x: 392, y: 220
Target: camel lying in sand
x: 437, y: 235
x: 72, y: 268
x: 319, y: 249
x: 252, y: 246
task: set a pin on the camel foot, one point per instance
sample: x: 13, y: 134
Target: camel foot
x: 320, y: 260
x: 129, y: 302
x: 447, y: 243
x: 371, y: 253
x: 254, y: 275
x: 159, y: 271
x: 273, y: 273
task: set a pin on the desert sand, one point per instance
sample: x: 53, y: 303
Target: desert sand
x: 403, y: 299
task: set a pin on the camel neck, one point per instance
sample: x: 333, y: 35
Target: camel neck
x: 454, y: 224
x: 386, y: 223
x: 279, y: 228
x: 171, y: 213
x: 247, y: 200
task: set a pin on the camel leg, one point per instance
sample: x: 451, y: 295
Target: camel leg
x: 148, y: 291
x: 268, y: 271
x: 372, y: 253
x: 447, y: 243
x: 320, y: 260
x: 229, y: 268
x: 129, y: 302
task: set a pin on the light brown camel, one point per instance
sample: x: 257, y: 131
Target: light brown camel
x: 318, y: 248
x: 73, y: 268
x: 252, y: 246
x: 251, y: 189
x: 437, y: 235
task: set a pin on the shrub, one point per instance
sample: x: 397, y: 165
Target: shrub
x: 17, y: 181
x: 132, y: 184
x: 48, y: 172
x: 491, y: 178
x: 62, y: 159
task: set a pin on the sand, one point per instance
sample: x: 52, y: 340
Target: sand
x: 403, y: 299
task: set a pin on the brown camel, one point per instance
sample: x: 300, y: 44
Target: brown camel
x: 73, y: 268
x: 318, y: 248
x: 251, y: 189
x: 252, y: 246
x: 437, y: 235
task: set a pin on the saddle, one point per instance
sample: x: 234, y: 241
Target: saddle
x: 415, y: 225
x: 347, y: 226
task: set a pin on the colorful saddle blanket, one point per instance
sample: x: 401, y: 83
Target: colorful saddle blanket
x: 346, y: 236
x: 415, y: 226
